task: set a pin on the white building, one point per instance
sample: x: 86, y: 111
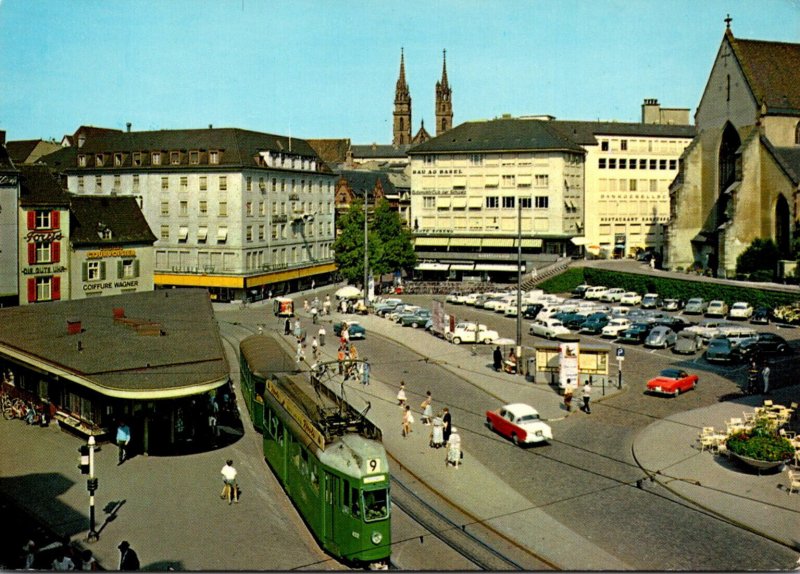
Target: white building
x: 235, y: 211
x: 9, y: 200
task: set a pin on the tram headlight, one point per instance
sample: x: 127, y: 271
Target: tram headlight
x: 376, y: 537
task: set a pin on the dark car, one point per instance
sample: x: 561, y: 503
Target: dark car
x: 763, y: 344
x: 531, y: 310
x: 721, y: 350
x: 760, y: 316
x: 571, y: 320
x: 594, y: 323
x: 580, y: 291
x: 416, y: 319
x: 676, y: 323
x: 636, y: 333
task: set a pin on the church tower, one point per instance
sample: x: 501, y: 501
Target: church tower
x: 402, y: 108
x: 444, y: 105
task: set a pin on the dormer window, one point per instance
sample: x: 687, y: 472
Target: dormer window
x: 174, y: 158
x: 98, y: 160
x: 81, y: 160
x: 137, y: 158
x: 194, y: 157
x: 103, y: 231
x: 213, y: 157
x: 117, y: 159
x: 156, y: 158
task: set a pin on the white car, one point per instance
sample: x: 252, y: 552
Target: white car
x: 505, y: 303
x: 708, y: 328
x: 520, y: 423
x: 471, y: 333
x: 612, y: 295
x: 492, y: 303
x: 471, y: 299
x: 454, y: 297
x: 650, y: 301
x: 615, y: 327
x: 594, y: 292
x: 740, y: 310
x: 717, y: 308
x: 548, y: 328
x: 630, y: 298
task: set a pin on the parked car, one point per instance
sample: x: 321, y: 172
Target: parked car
x: 471, y: 299
x: 520, y: 423
x: 687, y: 343
x: 355, y: 329
x: 737, y: 334
x: 740, y: 310
x: 763, y: 344
x: 580, y: 291
x: 612, y: 295
x: 548, y: 328
x: 398, y: 314
x: 650, y: 301
x: 575, y: 321
x: 594, y: 292
x: 492, y: 302
x: 630, y: 298
x: 471, y: 333
x: 672, y: 382
x: 707, y: 329
x: 454, y: 297
x: 594, y: 323
x: 386, y: 306
x: 674, y: 322
x: 721, y: 350
x: 636, y: 333
x: 415, y: 320
x: 717, y: 308
x: 615, y: 327
x: 695, y: 306
x: 661, y: 336
x: 760, y: 316
x: 673, y: 304
x: 530, y: 310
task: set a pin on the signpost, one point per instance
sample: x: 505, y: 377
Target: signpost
x: 620, y: 358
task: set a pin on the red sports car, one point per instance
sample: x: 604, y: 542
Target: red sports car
x: 672, y: 382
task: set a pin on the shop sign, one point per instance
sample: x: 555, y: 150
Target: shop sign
x: 111, y: 252
x: 44, y: 236
x: 44, y: 270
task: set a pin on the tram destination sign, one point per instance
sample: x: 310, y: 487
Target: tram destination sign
x: 294, y: 411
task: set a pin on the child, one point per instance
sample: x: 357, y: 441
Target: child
x: 401, y: 395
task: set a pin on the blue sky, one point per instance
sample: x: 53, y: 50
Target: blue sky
x: 318, y: 68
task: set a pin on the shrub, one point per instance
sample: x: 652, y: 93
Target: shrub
x: 760, y: 255
x: 761, y: 443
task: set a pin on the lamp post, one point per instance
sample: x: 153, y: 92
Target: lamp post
x: 91, y: 485
x: 519, y: 285
x: 366, y: 249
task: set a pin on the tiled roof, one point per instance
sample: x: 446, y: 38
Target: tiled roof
x: 5, y: 160
x: 359, y: 180
x: 113, y: 356
x: 20, y: 150
x: 585, y: 133
x: 502, y: 134
x: 89, y: 215
x: 374, y: 150
x: 789, y: 159
x: 39, y: 187
x: 331, y: 150
x: 772, y: 70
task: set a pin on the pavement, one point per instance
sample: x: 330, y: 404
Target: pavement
x: 155, y: 501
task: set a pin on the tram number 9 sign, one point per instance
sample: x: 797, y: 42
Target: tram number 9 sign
x: 374, y: 465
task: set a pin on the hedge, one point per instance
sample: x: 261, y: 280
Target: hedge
x: 666, y: 287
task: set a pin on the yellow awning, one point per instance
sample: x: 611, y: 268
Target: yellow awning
x: 442, y: 203
x: 498, y: 242
x: 475, y: 202
x: 465, y: 241
x: 431, y: 241
x: 459, y: 202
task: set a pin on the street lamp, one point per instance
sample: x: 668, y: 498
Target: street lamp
x: 519, y: 285
x: 91, y: 485
x: 366, y: 248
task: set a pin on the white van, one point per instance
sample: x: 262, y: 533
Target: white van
x: 594, y: 292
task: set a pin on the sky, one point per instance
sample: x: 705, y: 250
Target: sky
x: 328, y: 69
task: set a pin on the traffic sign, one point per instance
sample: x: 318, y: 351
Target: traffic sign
x: 620, y: 353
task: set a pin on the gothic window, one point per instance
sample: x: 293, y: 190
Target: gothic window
x: 727, y: 157
x: 797, y: 134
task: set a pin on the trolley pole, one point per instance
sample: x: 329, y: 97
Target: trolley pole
x: 91, y: 485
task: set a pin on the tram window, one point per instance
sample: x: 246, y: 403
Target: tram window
x: 304, y: 463
x: 375, y: 504
x: 346, y: 500
x: 354, y: 502
x: 314, y: 479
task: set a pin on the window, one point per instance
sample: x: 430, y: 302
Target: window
x: 80, y: 183
x: 174, y: 158
x: 117, y: 183
x: 653, y: 185
x: 662, y: 164
x: 184, y: 186
x: 165, y: 232
x: 274, y: 184
x: 203, y: 183
x: 632, y: 185
x: 98, y: 183
x: 261, y: 232
x: 222, y: 234
x: 541, y: 202
x: 429, y: 159
x: 623, y: 145
x: 623, y: 163
x: 476, y: 159
x: 43, y: 220
x: 249, y: 233
x: 94, y: 271
x: 525, y: 202
x: 797, y: 134
x: 428, y: 202
x: 492, y: 202
x: 602, y: 163
x: 136, y: 182
x: 137, y: 158
x: 213, y: 157
x: 262, y: 185
x: 128, y: 268
x: 543, y: 180
x: 652, y: 163
x: 164, y: 183
x: 165, y: 209
x: 642, y: 164
x: 508, y: 202
x: 194, y: 157
x: 183, y: 209
x: 183, y: 234
x: 223, y: 183
x: 117, y: 159
x: 203, y: 207
x: 249, y: 184
x: 98, y: 160
x: 673, y: 164
x: 249, y: 208
x: 81, y: 160
x: 45, y: 288
x: 509, y: 181
x: 155, y: 158
x: 42, y: 252
x: 223, y: 209
x: 612, y: 163
x: 604, y: 145
x: 202, y: 234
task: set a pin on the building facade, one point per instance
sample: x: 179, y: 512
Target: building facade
x: 402, y: 116
x: 486, y: 186
x: 237, y: 212
x: 9, y: 228
x: 740, y: 176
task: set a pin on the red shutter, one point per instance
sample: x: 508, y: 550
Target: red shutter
x: 56, y: 291
x: 55, y: 219
x: 31, y: 220
x: 31, y: 290
x: 55, y: 251
x: 31, y: 253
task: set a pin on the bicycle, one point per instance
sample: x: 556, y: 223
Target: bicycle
x: 13, y: 408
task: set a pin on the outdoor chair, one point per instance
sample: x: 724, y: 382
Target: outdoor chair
x: 794, y: 481
x: 735, y: 425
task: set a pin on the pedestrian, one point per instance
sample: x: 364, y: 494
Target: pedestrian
x: 314, y: 313
x: 401, y: 395
x: 765, y: 378
x: 88, y: 561
x: 123, y: 440
x: 269, y: 296
x: 427, y: 409
x: 62, y: 562
x: 511, y: 362
x: 305, y: 305
x: 586, y: 395
x: 230, y: 489
x: 408, y: 420
x: 313, y: 284
x: 340, y: 356
x: 28, y: 555
x: 326, y: 306
x: 365, y: 372
x: 300, y: 354
x: 212, y: 424
x: 128, y: 560
x: 437, y: 434
x: 322, y: 336
x: 353, y: 352
x: 453, y: 449
x: 447, y: 424
x: 498, y: 359
x: 568, y: 397
x: 314, y: 349
x: 287, y: 326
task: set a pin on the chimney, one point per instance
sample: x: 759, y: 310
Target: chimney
x: 128, y: 126
x: 73, y: 326
x: 2, y: 137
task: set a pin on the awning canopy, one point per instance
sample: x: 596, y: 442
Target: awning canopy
x: 462, y: 266
x: 531, y: 242
x: 497, y: 267
x: 202, y: 233
x: 498, y: 242
x: 475, y: 202
x: 183, y: 233
x: 222, y: 234
x: 431, y: 241
x: 442, y: 202
x: 492, y: 181
x: 432, y: 266
x: 578, y: 240
x: 459, y: 202
x: 465, y: 242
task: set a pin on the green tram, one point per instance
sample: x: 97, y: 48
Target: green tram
x: 327, y: 455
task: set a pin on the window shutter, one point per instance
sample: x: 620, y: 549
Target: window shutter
x: 55, y: 251
x: 120, y: 268
x: 31, y: 290
x: 135, y: 267
x: 102, y: 270
x: 56, y: 291
x: 31, y: 220
x: 55, y: 219
x: 31, y: 253
x: 85, y: 271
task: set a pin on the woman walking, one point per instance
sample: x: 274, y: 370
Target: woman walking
x: 408, y: 420
x: 454, y: 449
x: 437, y: 433
x: 427, y: 409
x: 401, y: 395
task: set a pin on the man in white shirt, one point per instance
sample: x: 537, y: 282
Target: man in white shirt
x: 230, y: 490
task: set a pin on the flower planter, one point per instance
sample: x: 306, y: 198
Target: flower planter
x: 758, y: 464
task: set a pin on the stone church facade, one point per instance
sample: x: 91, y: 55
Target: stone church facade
x: 402, y: 120
x: 739, y: 178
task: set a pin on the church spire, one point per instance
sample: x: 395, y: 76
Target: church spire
x: 444, y: 104
x: 402, y: 107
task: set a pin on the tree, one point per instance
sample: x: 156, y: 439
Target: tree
x: 761, y: 255
x: 390, y: 246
